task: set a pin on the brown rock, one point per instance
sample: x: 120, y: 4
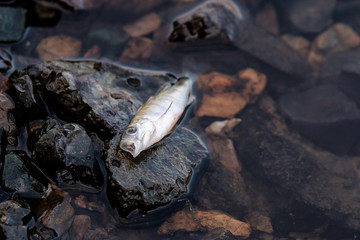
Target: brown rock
x: 3, y: 83
x: 143, y: 26
x: 267, y: 18
x: 220, y: 98
x: 298, y: 43
x: 96, y: 234
x: 93, y: 52
x: 6, y: 119
x: 79, y: 227
x: 191, y: 221
x: 259, y: 222
x: 58, y: 46
x: 138, y: 48
x: 81, y: 201
x: 339, y: 37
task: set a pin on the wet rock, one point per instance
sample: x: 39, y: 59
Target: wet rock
x: 96, y: 234
x: 339, y: 37
x: 13, y: 213
x: 7, y: 121
x: 66, y: 151
x: 138, y: 48
x: 212, y: 18
x: 13, y: 232
x: 12, y: 24
x: 82, y: 4
x: 2, y: 142
x: 196, y: 220
x: 259, y: 222
x: 58, y: 47
x: 222, y: 128
x: 318, y: 179
x: 16, y: 177
x: 145, y: 25
x: 325, y: 115
x: 153, y: 179
x: 224, y: 96
x: 5, y: 60
x: 93, y: 52
x: 298, y: 43
x: 308, y: 16
x: 80, y: 225
x: 3, y: 83
x: 267, y: 18
x: 136, y: 7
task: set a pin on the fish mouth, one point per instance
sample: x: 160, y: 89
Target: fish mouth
x: 129, y: 147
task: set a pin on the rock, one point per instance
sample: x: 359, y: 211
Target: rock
x: 14, y: 214
x: 145, y: 25
x: 3, y: 83
x: 14, y: 232
x: 308, y: 16
x: 153, y: 179
x: 196, y: 220
x: 138, y: 48
x: 16, y: 177
x: 12, y: 24
x: 222, y: 128
x: 7, y: 121
x: 220, y: 98
x: 325, y: 115
x: 93, y: 52
x: 266, y: 17
x: 318, y: 179
x: 66, y: 152
x: 5, y: 60
x: 339, y: 37
x: 83, y: 4
x: 96, y: 234
x: 259, y: 222
x: 79, y: 227
x: 135, y: 7
x: 58, y: 47
x: 298, y: 43
x: 212, y: 18
x: 2, y: 142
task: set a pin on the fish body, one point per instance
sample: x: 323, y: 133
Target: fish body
x: 157, y: 117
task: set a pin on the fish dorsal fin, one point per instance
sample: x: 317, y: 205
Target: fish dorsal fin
x: 167, y: 109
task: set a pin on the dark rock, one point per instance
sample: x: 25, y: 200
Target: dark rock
x: 5, y: 60
x: 2, y: 142
x: 12, y: 24
x: 16, y: 177
x: 13, y: 213
x: 79, y: 227
x: 13, y: 232
x: 154, y: 178
x: 67, y: 151
x: 7, y: 121
x: 314, y: 177
x: 308, y: 16
x: 210, y: 19
x: 325, y: 115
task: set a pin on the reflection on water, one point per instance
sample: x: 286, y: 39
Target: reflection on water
x: 277, y: 104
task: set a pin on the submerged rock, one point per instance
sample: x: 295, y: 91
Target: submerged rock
x: 12, y: 24
x: 13, y: 213
x: 5, y: 60
x: 7, y: 121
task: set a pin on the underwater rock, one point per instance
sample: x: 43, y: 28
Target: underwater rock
x: 135, y: 7
x: 212, y: 18
x: 297, y: 168
x: 7, y: 121
x: 2, y: 142
x: 13, y: 213
x: 325, y: 115
x: 267, y: 18
x: 12, y: 24
x: 93, y: 52
x: 5, y: 60
x: 18, y: 232
x: 79, y: 227
x: 3, y: 83
x: 137, y: 48
x: 298, y: 43
x: 259, y: 222
x: 157, y: 176
x: 143, y: 26
x: 66, y: 151
x: 16, y: 177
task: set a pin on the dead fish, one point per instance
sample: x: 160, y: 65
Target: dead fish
x: 157, y: 117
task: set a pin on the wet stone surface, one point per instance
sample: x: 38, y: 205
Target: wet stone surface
x: 5, y: 60
x: 12, y: 24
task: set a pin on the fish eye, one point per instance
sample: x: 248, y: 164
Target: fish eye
x: 131, y: 130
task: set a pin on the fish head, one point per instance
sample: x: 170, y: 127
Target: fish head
x: 135, y: 138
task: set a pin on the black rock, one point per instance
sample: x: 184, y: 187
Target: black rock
x: 5, y: 60
x: 325, y: 115
x: 2, y: 142
x: 13, y: 232
x: 297, y: 168
x: 16, y: 177
x: 156, y: 177
x: 308, y: 16
x: 13, y: 213
x: 12, y: 24
x: 66, y: 151
x: 7, y: 121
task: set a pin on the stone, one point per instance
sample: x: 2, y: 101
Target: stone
x: 196, y: 220
x: 58, y: 47
x: 3, y: 83
x: 220, y: 98
x: 13, y: 213
x: 153, y: 178
x: 212, y: 18
x: 79, y: 227
x: 16, y: 177
x: 14, y: 232
x: 222, y: 128
x: 266, y: 17
x: 318, y: 179
x: 93, y: 52
x: 70, y: 149
x: 96, y: 234
x: 135, y: 7
x: 298, y: 43
x: 12, y: 24
x: 83, y: 4
x: 138, y: 48
x: 2, y: 142
x: 143, y: 26
x: 339, y: 37
x: 259, y: 222
x: 7, y: 121
x: 5, y: 60
x: 325, y: 115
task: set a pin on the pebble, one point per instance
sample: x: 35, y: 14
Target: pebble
x: 222, y: 128
x: 138, y: 48
x: 298, y: 43
x: 58, y: 47
x: 143, y: 26
x: 93, y: 52
x: 3, y: 83
x: 12, y: 24
x: 259, y: 222
x: 5, y: 61
x: 266, y: 17
x: 79, y: 227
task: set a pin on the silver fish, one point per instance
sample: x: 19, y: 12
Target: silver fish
x: 157, y: 117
